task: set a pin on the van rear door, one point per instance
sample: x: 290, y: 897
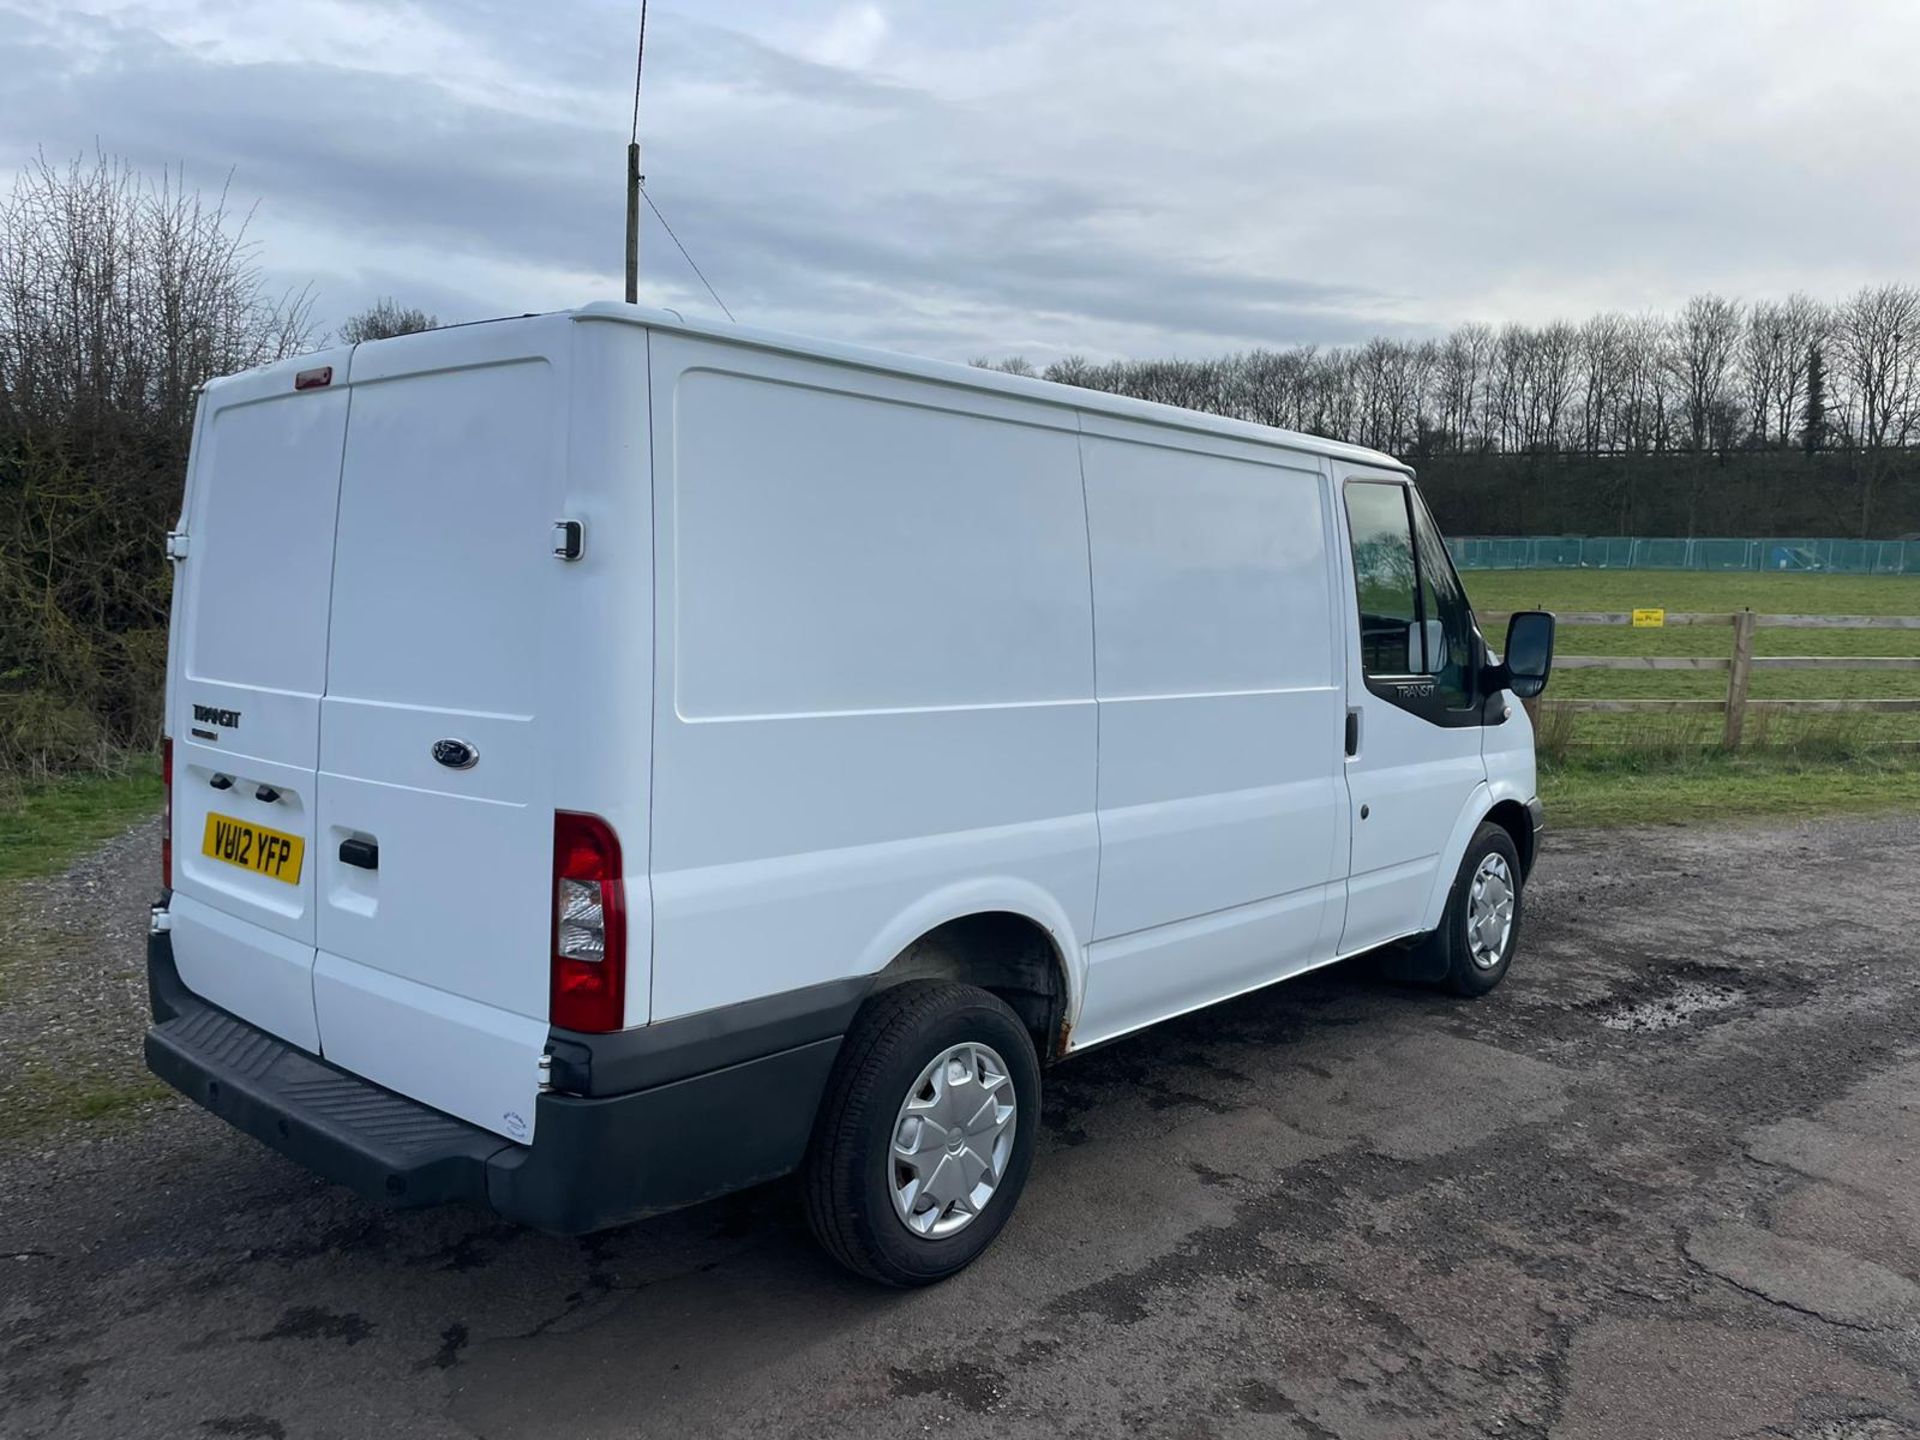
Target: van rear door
x: 432, y: 861
x: 248, y: 658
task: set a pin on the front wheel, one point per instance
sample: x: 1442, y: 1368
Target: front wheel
x: 1473, y: 948
x: 926, y: 1133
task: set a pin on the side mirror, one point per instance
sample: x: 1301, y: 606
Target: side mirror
x: 1528, y: 659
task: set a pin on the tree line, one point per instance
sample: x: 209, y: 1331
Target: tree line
x: 1720, y: 375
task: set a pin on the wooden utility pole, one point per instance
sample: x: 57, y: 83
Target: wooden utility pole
x: 633, y: 222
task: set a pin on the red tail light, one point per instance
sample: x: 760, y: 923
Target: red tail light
x: 589, y: 925
x: 166, y: 812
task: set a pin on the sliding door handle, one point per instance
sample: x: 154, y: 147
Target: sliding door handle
x: 1353, y: 732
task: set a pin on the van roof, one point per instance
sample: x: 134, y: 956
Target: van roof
x: 974, y: 377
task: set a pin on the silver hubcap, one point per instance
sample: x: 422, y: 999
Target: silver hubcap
x: 1490, y: 911
x: 951, y: 1141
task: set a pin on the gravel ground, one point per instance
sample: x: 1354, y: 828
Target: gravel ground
x: 73, y: 993
x: 1662, y: 1183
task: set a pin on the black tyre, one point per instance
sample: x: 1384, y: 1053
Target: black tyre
x: 1473, y: 948
x: 926, y: 1133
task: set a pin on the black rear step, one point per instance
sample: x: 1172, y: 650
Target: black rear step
x: 718, y: 1107
x: 382, y: 1145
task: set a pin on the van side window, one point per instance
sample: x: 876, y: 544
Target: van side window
x: 1387, y: 579
x: 1415, y: 623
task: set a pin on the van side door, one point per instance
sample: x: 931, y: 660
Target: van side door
x: 1414, y: 714
x: 1218, y: 665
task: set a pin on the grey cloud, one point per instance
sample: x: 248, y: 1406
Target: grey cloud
x: 388, y: 161
x: 1077, y: 177
x: 747, y: 66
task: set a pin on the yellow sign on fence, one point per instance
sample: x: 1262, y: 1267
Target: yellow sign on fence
x: 1649, y: 619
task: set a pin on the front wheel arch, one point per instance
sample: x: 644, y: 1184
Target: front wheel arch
x: 1514, y: 818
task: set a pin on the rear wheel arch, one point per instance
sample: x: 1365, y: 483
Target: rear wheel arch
x: 1004, y: 952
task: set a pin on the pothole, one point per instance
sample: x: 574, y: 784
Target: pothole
x: 1681, y: 1002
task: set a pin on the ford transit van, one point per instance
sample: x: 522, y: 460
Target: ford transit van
x: 614, y: 760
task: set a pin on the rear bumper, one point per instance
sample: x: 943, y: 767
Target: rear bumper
x: 595, y: 1161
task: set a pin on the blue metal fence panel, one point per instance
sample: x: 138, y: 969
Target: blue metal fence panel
x: 1642, y: 552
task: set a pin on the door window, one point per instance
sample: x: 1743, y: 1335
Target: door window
x: 1386, y: 578
x: 1416, y: 630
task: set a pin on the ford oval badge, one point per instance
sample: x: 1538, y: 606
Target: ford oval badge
x: 456, y: 754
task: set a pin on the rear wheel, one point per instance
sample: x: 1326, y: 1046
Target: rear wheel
x: 926, y: 1134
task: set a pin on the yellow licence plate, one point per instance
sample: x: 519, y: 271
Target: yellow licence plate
x: 271, y: 853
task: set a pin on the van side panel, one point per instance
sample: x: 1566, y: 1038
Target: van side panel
x: 875, y: 677
x: 1221, y: 716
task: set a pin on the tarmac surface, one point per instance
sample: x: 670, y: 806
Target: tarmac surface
x: 1664, y: 1182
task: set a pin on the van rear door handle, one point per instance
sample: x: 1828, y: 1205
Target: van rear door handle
x: 363, y: 853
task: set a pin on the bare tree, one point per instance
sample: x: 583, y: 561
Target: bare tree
x: 384, y: 319
x: 1764, y: 359
x: 1806, y: 324
x: 1374, y: 374
x: 1647, y: 404
x: 1877, y: 355
x: 1555, y: 373
x: 1877, y: 345
x: 1071, y: 370
x: 1507, y: 383
x: 119, y: 296
x: 1270, y: 387
x: 1336, y: 395
x: 1604, y: 363
x: 1700, y: 356
x: 1461, y: 377
x: 1773, y: 361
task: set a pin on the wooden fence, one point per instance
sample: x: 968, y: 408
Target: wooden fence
x: 1740, y: 663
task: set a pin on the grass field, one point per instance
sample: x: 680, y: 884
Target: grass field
x: 1690, y: 590
x: 1615, y: 590
x: 45, y: 825
x: 1619, y: 769
x: 1619, y: 786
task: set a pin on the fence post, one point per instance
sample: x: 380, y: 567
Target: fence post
x: 1738, y: 676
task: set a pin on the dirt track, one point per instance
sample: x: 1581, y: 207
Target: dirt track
x: 1666, y: 1182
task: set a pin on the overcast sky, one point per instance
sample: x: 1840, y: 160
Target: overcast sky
x: 962, y: 177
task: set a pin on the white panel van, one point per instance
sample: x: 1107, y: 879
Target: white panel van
x: 613, y: 761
